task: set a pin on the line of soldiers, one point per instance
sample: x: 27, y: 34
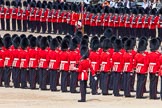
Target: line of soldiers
x: 63, y: 18
x: 37, y: 17
x: 111, y: 63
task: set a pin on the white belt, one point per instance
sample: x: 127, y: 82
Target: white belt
x: 71, y: 62
x: 23, y: 59
x: 1, y: 13
x: 37, y: 15
x: 7, y: 58
x: 49, y: 16
x: 16, y: 58
x: 64, y: 62
x: 152, y: 63
x: 1, y: 59
x: 84, y: 70
x: 127, y: 63
x: 116, y: 62
x: 42, y: 59
x: 13, y: 13
x: 94, y: 62
x: 42, y: 16
x: 104, y: 62
x: 52, y: 60
x: 32, y: 59
x: 140, y: 64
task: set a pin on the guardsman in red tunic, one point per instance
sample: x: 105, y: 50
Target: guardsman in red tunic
x: 25, y: 16
x: 87, y: 21
x: 2, y: 15
x: 54, y: 18
x: 1, y: 61
x: 49, y: 17
x: 133, y: 23
x: 93, y: 22
x: 122, y: 18
x: 43, y: 63
x: 8, y: 59
x: 128, y: 68
x: 99, y: 20
x: 32, y: 17
x: 117, y: 66
x: 83, y: 68
x: 153, y: 23
x: 43, y: 18
x: 54, y: 63
x: 19, y: 16
x: 16, y: 62
x: 64, y: 64
x: 105, y: 66
x: 160, y: 75
x: 140, y: 22
x: 33, y: 62
x: 95, y: 64
x: 141, y: 63
x: 105, y: 18
x: 111, y: 19
x: 37, y: 17
x: 116, y: 21
x: 72, y: 22
x: 128, y: 22
x: 8, y: 15
x: 74, y: 58
x: 160, y: 24
x: 14, y: 15
x: 24, y: 56
x: 145, y: 25
x: 154, y: 66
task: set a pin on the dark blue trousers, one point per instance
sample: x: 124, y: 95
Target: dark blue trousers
x: 42, y: 78
x: 1, y: 76
x: 153, y: 86
x: 83, y: 86
x: 64, y: 77
x: 7, y: 75
x: 32, y: 78
x: 16, y: 77
x: 53, y: 79
x: 73, y: 81
x: 127, y: 83
x: 105, y: 82
x: 23, y: 77
x: 116, y: 83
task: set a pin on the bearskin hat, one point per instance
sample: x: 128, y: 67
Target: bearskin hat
x: 108, y: 33
x: 49, y: 39
x: 111, y: 10
x: 79, y: 34
x: 19, y: 4
x: 45, y: 2
x: 38, y: 40
x: 142, y: 45
x: 54, y: 44
x: 39, y: 4
x: 84, y: 52
x: 24, y: 43
x: 101, y: 41
x: 84, y: 42
x: 7, y: 41
x: 160, y: 11
x: 13, y: 3
x: 95, y: 45
x: 1, y: 2
x: 124, y: 39
x: 32, y: 42
x: 106, y: 9
x: 16, y: 42
x: 22, y: 36
x: 25, y: 4
x: 147, y: 10
x: 93, y: 38
x: 64, y: 44
x: 73, y: 44
x: 59, y: 38
x: 135, y: 11
x: 153, y: 11
x: 32, y: 4
x: 128, y: 45
x: 112, y: 39
x: 106, y: 44
x: 1, y: 42
x: 117, y: 45
x: 133, y: 41
x: 49, y: 6
x: 143, y: 37
x: 30, y: 36
x: 141, y: 10
x: 154, y: 44
x: 7, y: 3
x: 43, y: 6
x: 86, y: 37
x: 13, y: 36
x: 43, y: 43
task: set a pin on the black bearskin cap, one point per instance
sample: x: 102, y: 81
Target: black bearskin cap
x: 101, y: 41
x: 13, y: 36
x: 84, y: 42
x: 30, y: 36
x: 107, y: 44
x: 84, y: 52
x: 33, y: 42
x: 142, y: 45
x: 22, y: 36
x: 7, y: 3
x: 25, y: 4
x: 64, y: 44
x: 73, y: 44
x: 129, y: 45
x: 43, y: 43
x: 59, y: 38
x: 154, y: 44
x: 1, y: 42
x: 38, y: 40
x: 108, y: 33
x: 7, y: 41
x: 117, y: 45
x: 19, y: 4
x: 54, y: 44
x: 13, y: 3
x: 24, y: 43
x: 95, y: 45
x: 16, y: 42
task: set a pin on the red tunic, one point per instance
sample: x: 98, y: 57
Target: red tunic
x: 43, y: 16
x: 141, y: 63
x: 38, y: 14
x: 8, y: 13
x: 19, y: 14
x: 14, y: 13
x: 84, y: 66
x: 25, y: 14
x: 128, y: 62
x: 64, y: 60
x: 8, y: 57
x: 24, y: 58
x: 2, y: 12
x: 16, y: 58
x: 42, y: 56
x: 2, y: 57
x: 33, y: 58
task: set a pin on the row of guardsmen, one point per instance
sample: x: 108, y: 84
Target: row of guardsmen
x: 111, y: 63
x: 39, y: 16
x: 62, y: 19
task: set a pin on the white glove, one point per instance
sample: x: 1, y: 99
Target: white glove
x: 95, y: 78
